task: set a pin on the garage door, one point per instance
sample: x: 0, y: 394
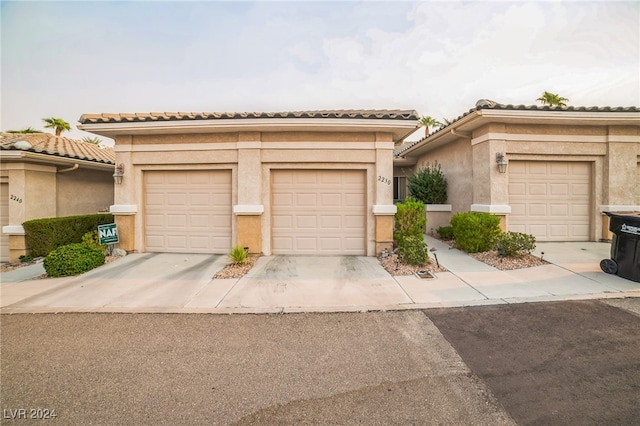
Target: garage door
x: 4, y: 220
x: 319, y: 212
x: 188, y: 211
x: 550, y: 200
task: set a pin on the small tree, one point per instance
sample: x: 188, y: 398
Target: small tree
x: 429, y: 122
x: 552, y: 99
x: 429, y: 184
x: 58, y: 124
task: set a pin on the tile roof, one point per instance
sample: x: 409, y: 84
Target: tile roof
x: 379, y: 114
x: 489, y: 104
x: 46, y: 143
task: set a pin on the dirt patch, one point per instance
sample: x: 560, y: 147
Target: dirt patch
x: 552, y: 363
x: 395, y: 267
x: 508, y: 263
x: 237, y: 270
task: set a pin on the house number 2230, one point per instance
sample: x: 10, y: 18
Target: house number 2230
x: 384, y: 180
x: 14, y: 198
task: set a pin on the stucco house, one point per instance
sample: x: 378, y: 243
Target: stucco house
x: 305, y: 182
x: 42, y: 175
x: 564, y: 167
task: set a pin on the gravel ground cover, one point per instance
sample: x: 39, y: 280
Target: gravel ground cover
x: 239, y: 270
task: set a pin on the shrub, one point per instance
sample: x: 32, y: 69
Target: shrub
x: 413, y: 250
x: 72, y: 259
x: 45, y: 235
x: 445, y: 233
x: 238, y: 255
x: 474, y: 231
x: 429, y: 185
x: 25, y: 258
x: 409, y: 220
x: 92, y: 239
x: 515, y: 244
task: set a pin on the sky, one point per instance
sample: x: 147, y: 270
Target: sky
x: 64, y: 59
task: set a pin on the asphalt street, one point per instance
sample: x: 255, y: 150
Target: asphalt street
x: 516, y: 364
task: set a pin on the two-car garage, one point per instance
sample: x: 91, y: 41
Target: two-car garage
x: 312, y: 211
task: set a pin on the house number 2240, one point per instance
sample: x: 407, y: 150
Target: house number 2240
x: 14, y: 198
x: 384, y: 180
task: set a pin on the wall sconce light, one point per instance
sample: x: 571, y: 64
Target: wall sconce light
x: 118, y: 173
x: 502, y: 162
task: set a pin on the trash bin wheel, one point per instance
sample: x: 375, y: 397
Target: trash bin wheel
x: 609, y: 266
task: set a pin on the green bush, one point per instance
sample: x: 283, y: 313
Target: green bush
x: 515, y: 244
x: 474, y: 231
x: 92, y: 239
x: 72, y: 259
x: 445, y: 233
x: 413, y: 250
x: 45, y: 235
x: 429, y: 185
x: 409, y: 220
x: 238, y: 255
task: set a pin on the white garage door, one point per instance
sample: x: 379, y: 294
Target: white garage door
x: 188, y: 211
x: 550, y: 200
x: 319, y: 212
x: 4, y: 220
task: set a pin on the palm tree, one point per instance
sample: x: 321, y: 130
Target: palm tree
x: 25, y: 130
x: 94, y: 140
x: 56, y: 123
x: 429, y: 122
x: 552, y: 99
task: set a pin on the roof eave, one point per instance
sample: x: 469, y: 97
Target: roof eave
x: 398, y: 128
x: 54, y: 160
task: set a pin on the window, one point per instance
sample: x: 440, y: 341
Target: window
x: 399, y: 189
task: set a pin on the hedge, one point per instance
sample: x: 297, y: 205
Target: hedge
x: 45, y: 235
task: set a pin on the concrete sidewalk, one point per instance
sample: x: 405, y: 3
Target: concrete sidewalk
x: 152, y: 282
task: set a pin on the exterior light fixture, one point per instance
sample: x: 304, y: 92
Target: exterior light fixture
x: 502, y: 162
x: 118, y: 173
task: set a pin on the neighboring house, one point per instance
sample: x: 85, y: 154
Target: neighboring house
x: 42, y: 175
x: 565, y: 166
x: 307, y: 182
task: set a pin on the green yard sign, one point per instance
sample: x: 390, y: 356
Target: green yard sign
x: 108, y: 233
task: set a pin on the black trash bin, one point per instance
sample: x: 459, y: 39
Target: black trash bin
x: 625, y: 246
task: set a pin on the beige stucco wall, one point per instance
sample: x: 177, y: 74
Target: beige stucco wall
x: 471, y: 170
x: 84, y: 191
x: 251, y: 156
x: 38, y: 190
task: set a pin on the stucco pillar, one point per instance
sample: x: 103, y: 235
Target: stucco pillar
x: 249, y: 209
x: 490, y: 187
x: 620, y: 167
x: 125, y: 208
x: 384, y: 210
x: 32, y: 195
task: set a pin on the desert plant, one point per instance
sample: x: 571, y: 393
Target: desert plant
x: 409, y: 220
x: 475, y: 231
x: 238, y: 255
x: 72, y: 259
x: 429, y: 184
x: 515, y: 244
x: 413, y: 250
x: 445, y: 233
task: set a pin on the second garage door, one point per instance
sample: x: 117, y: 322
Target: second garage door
x: 319, y: 212
x: 550, y: 200
x: 188, y: 211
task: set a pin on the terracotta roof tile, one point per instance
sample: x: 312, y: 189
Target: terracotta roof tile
x: 381, y: 114
x: 46, y: 143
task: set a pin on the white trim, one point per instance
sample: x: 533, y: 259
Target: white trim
x: 545, y: 138
x: 384, y: 209
x: 491, y: 208
x: 13, y: 230
x: 123, y: 209
x: 619, y: 208
x: 438, y: 207
x: 248, y: 209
